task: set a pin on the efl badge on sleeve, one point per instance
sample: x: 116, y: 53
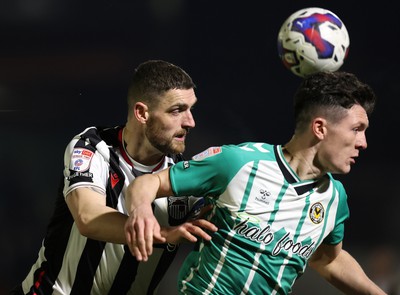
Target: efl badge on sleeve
x: 80, y: 160
x: 211, y: 151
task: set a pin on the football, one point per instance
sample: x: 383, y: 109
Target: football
x: 311, y: 40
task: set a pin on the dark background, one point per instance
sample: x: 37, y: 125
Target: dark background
x: 66, y: 65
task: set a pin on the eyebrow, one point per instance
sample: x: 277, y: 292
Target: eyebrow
x: 180, y: 106
x: 183, y: 105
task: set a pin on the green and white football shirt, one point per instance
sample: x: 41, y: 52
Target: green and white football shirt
x: 269, y: 221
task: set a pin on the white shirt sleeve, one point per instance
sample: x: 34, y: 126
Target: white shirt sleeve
x: 84, y: 168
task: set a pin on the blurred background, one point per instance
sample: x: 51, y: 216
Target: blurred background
x: 66, y: 65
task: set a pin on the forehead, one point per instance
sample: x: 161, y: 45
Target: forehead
x: 178, y: 97
x: 357, y: 115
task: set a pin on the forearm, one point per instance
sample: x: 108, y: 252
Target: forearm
x: 141, y: 191
x: 93, y: 218
x: 345, y: 273
x: 141, y: 227
x: 107, y: 227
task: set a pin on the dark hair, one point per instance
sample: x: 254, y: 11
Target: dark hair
x: 330, y: 94
x: 154, y: 77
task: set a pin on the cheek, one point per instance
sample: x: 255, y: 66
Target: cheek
x: 167, y: 129
x: 160, y: 124
x: 342, y: 140
x: 172, y: 125
x: 333, y: 151
x: 351, y: 140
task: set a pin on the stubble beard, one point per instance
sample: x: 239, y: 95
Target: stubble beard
x: 158, y: 139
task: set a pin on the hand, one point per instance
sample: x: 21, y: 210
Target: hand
x: 141, y: 228
x: 189, y: 231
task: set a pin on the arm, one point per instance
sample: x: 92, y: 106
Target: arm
x: 142, y: 227
x: 97, y: 221
x: 93, y: 218
x: 341, y: 270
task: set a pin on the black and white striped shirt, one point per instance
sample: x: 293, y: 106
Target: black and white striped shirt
x: 69, y: 263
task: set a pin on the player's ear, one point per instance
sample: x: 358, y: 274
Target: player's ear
x: 319, y: 127
x: 141, y: 111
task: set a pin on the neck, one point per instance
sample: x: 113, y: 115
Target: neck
x: 139, y: 149
x: 301, y: 161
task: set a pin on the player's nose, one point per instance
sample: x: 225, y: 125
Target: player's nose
x: 188, y: 120
x: 361, y: 142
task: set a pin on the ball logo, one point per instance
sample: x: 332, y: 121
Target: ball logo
x: 309, y: 27
x: 317, y: 213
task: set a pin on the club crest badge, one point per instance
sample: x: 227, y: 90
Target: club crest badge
x: 317, y: 213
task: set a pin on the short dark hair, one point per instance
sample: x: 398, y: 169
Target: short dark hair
x: 154, y: 77
x: 330, y: 94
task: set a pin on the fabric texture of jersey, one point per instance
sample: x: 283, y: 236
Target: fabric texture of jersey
x: 269, y: 221
x: 69, y: 263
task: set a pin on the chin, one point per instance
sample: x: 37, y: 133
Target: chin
x: 178, y: 148
x: 338, y: 170
x: 347, y: 170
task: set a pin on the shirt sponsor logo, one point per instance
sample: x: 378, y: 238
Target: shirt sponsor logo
x: 288, y: 244
x: 265, y: 235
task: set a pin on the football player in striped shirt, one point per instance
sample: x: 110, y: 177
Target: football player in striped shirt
x: 84, y: 250
x: 278, y: 208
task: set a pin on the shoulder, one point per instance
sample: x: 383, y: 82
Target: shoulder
x: 250, y: 150
x: 94, y: 134
x: 248, y: 146
x: 95, y: 139
x: 232, y: 155
x: 261, y: 147
x: 337, y: 184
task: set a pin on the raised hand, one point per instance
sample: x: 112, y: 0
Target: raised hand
x: 189, y: 231
x: 141, y: 231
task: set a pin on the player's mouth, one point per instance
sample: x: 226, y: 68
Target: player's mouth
x: 180, y: 136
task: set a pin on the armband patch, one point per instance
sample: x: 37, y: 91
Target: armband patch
x: 80, y: 159
x: 211, y: 151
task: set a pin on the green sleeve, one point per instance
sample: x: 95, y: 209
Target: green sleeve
x: 342, y: 214
x: 205, y: 176
x: 209, y: 172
